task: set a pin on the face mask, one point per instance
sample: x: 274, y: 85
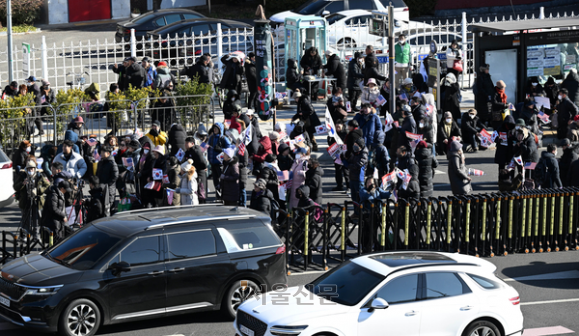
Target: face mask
x: 146, y: 151
x: 403, y: 42
x: 559, y: 97
x: 30, y: 172
x: 517, y: 127
x: 27, y: 149
x: 154, y: 132
x: 233, y: 99
x: 472, y: 116
x: 448, y: 121
x: 534, y: 84
x: 298, y: 156
x: 421, y: 124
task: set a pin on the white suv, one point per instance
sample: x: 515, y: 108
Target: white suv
x: 397, y: 293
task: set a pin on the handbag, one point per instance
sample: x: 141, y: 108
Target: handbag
x: 244, y: 87
x: 457, y: 65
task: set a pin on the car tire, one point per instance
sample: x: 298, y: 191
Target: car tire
x: 236, y: 295
x: 481, y: 328
x: 90, y: 319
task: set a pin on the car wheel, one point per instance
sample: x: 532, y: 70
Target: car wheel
x: 81, y: 318
x: 238, y: 294
x: 482, y: 328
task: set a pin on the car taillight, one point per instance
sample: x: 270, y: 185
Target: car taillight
x: 515, y: 301
x: 280, y: 250
x: 405, y: 9
x: 7, y: 166
x: 127, y: 32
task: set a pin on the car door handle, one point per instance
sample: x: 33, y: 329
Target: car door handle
x: 411, y: 313
x: 156, y: 272
x: 178, y: 269
x: 465, y: 308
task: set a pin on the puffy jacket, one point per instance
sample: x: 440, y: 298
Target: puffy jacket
x: 164, y: 77
x: 309, y: 62
x: 177, y: 136
x: 335, y: 68
x: 355, y: 75
x: 370, y: 97
x: 53, y: 213
x: 371, y: 69
x: 457, y: 175
x: 369, y: 124
x: 261, y: 201
x: 75, y: 164
x: 218, y: 142
x: 200, y: 70
x: 314, y: 181
x: 230, y: 182
x: 232, y: 75
x: 263, y: 150
x: 292, y: 75
x: 305, y: 200
x: 135, y: 76
x: 150, y: 75
x: 357, y: 165
x: 72, y: 136
x: 470, y: 125
x: 504, y: 152
x: 426, y: 165
x: 527, y: 149
x: 188, y: 190
x: 426, y: 130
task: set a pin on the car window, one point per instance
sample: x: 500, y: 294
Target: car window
x: 444, y: 284
x: 333, y: 18
x: 143, y: 18
x: 183, y: 31
x: 400, y: 290
x: 184, y: 245
x: 395, y: 3
x: 191, y: 16
x: 484, y: 282
x: 3, y: 157
x: 160, y: 21
x: 144, y: 250
x: 172, y: 18
x: 253, y: 237
x: 84, y: 248
x: 362, y: 4
x: 358, y: 20
x: 334, y: 6
x: 200, y: 29
x: 314, y: 7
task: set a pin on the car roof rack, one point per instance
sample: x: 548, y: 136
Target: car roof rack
x: 404, y: 268
x: 168, y: 207
x: 202, y: 219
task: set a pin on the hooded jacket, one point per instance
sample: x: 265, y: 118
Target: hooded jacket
x: 292, y: 76
x: 371, y: 70
x: 188, y: 190
x: 200, y: 70
x: 164, y: 77
x: 357, y: 165
x: 314, y: 182
x: 75, y: 165
x: 305, y: 200
x: 177, y: 136
x: 527, y: 149
x: 136, y: 75
x: 504, y: 152
x: 261, y: 201
x: 413, y: 188
x: 335, y: 68
x: 218, y: 142
x: 53, y: 212
x: 369, y: 124
x: 457, y: 174
x: 552, y: 177
x: 232, y: 75
x: 263, y: 150
x: 72, y: 136
x: 230, y: 182
x: 311, y: 62
x: 426, y: 165
x: 284, y: 162
x: 571, y: 83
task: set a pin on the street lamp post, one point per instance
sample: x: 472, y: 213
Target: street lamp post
x: 9, y: 34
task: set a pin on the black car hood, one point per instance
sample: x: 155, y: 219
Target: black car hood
x: 127, y: 24
x: 36, y: 270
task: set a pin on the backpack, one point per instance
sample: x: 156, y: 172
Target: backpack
x: 318, y: 212
x: 541, y: 171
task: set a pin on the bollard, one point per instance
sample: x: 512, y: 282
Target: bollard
x: 448, y: 224
x: 306, y: 239
x: 523, y: 219
x: 51, y: 239
x: 396, y: 231
x: 544, y: 224
x: 343, y: 234
x: 498, y: 226
x: 406, y: 225
x: 551, y: 223
x: 467, y: 226
x: 484, y: 225
x: 428, y: 223
x: 561, y: 213
x: 571, y: 217
x: 510, y: 228
x: 383, y: 235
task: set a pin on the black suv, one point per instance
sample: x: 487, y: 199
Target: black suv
x: 143, y: 264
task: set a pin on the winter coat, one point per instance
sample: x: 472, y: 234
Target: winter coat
x: 20, y: 158
x: 164, y: 77
x: 351, y: 138
x: 164, y: 112
x: 314, y: 182
x: 426, y: 164
x: 173, y: 174
x: 305, y: 107
x: 299, y: 167
x: 41, y: 185
x: 261, y: 201
x: 95, y: 207
x: 255, y: 133
x: 263, y: 150
x: 199, y: 162
x: 200, y: 70
x: 497, y: 103
x: 442, y: 135
x: 527, y: 149
x: 566, y: 111
x: 485, y: 87
x: 573, y: 174
x: 571, y: 83
x: 357, y: 165
x: 292, y: 76
x: 377, y: 194
x: 299, y: 130
x: 335, y: 68
x: 135, y: 76
x: 269, y: 174
x: 371, y: 70
x: 413, y: 188
x: 188, y: 189
x: 75, y: 164
x: 284, y: 162
x: 370, y: 97
x: 408, y: 125
x: 230, y: 182
x: 108, y: 173
x: 251, y: 75
x: 305, y: 201
x: 570, y: 154
x: 470, y: 126
x: 309, y: 62
x: 450, y: 102
x: 355, y: 75
x: 369, y: 124
x: 504, y: 152
x: 54, y: 212
x: 380, y: 158
x: 552, y: 177
x: 155, y: 140
x: 177, y: 136
x: 458, y: 175
x: 218, y: 142
x: 150, y: 74
x: 72, y: 136
x: 338, y: 113
x: 232, y: 76
x: 529, y: 116
x: 426, y: 130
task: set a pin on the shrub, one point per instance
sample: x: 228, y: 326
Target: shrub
x: 23, y: 11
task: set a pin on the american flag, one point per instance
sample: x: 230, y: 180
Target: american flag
x: 128, y: 162
x: 283, y: 175
x: 530, y: 165
x: 96, y: 155
x: 170, y: 195
x: 241, y: 149
x: 544, y: 118
x: 91, y: 142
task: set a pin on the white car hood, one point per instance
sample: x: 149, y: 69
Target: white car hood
x: 300, y: 306
x: 280, y: 17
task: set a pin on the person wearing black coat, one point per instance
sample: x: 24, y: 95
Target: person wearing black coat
x: 261, y: 198
x: 307, y: 114
x: 131, y: 73
x: 311, y: 63
x: 552, y: 179
x: 251, y: 75
x: 573, y: 174
x: 355, y: 77
x: 371, y: 67
x: 566, y: 111
x: 571, y: 83
x: 413, y: 188
x: 528, y: 112
x: 335, y: 68
x: 20, y: 156
x: 424, y: 127
x: 164, y: 110
x: 418, y: 109
x: 533, y: 88
x: 292, y: 76
x: 233, y: 73
x: 426, y: 165
x: 95, y: 208
x: 408, y: 125
x: 471, y: 127
x: 354, y: 133
x: 450, y: 96
x: 504, y: 152
x: 570, y: 155
x: 269, y: 174
x: 525, y: 146
x: 201, y: 69
x: 53, y: 212
x: 551, y: 91
x: 485, y: 91
x: 108, y: 173
x: 200, y: 163
x: 447, y: 128
x: 177, y: 136
x: 303, y: 196
x: 314, y: 180
x: 10, y: 90
x: 341, y: 172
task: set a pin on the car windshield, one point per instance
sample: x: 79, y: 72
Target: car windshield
x: 334, y: 18
x: 347, y: 284
x: 312, y: 8
x: 142, y: 18
x: 83, y: 249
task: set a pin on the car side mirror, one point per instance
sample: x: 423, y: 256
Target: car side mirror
x: 326, y: 13
x: 119, y: 267
x: 378, y: 303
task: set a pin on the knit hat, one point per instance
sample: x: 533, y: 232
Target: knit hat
x: 520, y: 122
x: 202, y: 130
x: 229, y: 152
x: 270, y: 158
x: 360, y: 142
x: 157, y: 123
x: 274, y: 135
x: 407, y: 81
x: 249, y: 112
x: 501, y: 84
x: 422, y: 144
x: 78, y: 120
x: 30, y: 164
x: 159, y: 149
x: 565, y: 142
x: 314, y: 159
x: 576, y: 118
x: 406, y: 108
x: 447, y: 115
x: 162, y: 63
x: 455, y: 146
x: 260, y: 183
x: 186, y: 166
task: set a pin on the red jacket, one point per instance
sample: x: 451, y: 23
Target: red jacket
x: 264, y: 149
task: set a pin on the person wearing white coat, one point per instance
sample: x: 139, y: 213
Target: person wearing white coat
x: 188, y: 186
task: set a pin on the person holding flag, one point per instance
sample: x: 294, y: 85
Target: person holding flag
x: 195, y: 153
x: 188, y: 184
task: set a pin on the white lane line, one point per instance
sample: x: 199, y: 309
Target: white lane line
x: 7, y: 326
x: 548, y: 276
x: 558, y: 330
x: 547, y: 302
x: 439, y: 172
x: 305, y: 273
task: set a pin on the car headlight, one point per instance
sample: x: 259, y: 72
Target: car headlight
x: 287, y: 330
x: 50, y: 290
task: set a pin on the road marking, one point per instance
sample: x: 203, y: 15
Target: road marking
x: 7, y: 326
x: 439, y: 172
x: 547, y: 302
x: 548, y: 276
x: 308, y: 272
x: 547, y: 331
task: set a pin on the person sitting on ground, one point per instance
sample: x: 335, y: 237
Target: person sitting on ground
x: 508, y: 183
x: 261, y: 197
x: 471, y: 127
x: 447, y: 130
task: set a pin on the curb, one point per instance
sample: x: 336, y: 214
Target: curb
x: 38, y: 30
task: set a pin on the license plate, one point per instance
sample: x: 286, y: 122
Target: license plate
x: 6, y: 302
x: 246, y: 330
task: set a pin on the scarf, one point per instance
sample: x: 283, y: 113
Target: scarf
x: 447, y: 128
x: 502, y: 94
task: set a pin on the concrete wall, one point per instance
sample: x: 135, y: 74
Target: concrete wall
x: 120, y: 9
x: 182, y: 3
x: 57, y: 11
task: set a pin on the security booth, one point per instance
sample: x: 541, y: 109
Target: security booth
x: 302, y: 33
x: 520, y: 52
